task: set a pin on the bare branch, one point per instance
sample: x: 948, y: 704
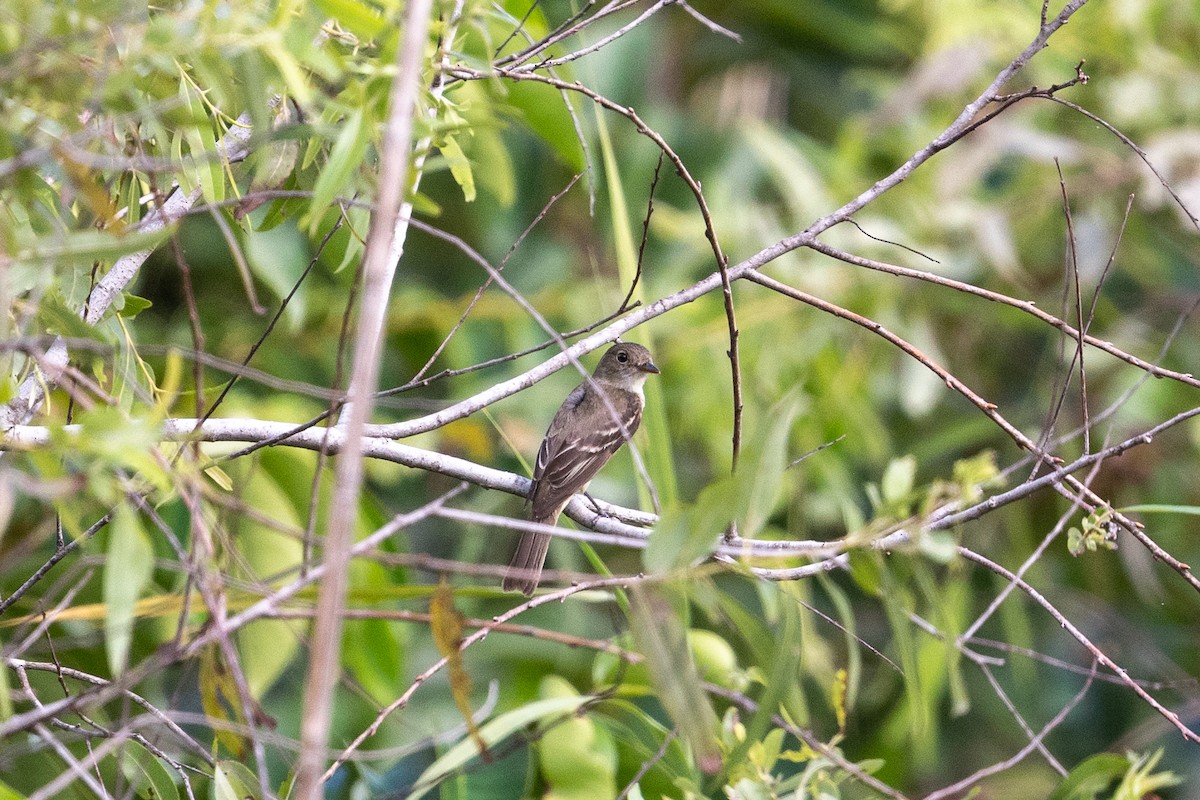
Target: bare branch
x: 384, y: 245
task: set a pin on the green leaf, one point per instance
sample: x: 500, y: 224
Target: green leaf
x: 949, y: 603
x: 848, y: 624
x: 714, y: 656
x: 1158, y: 508
x: 1141, y: 781
x: 1091, y: 777
x: 493, y: 733
x: 267, y: 646
x: 132, y: 305
x: 219, y: 476
x: 544, y: 111
x: 212, y: 175
x: 149, y: 777
x: 684, y: 535
x: 358, y: 18
x: 56, y: 317
x: 499, y: 179
x: 344, y: 159
x: 111, y: 436
x: 866, y: 570
x: 460, y: 166
x: 639, y: 737
x: 899, y: 477
x: 577, y: 757
x: 975, y: 472
x: 83, y: 247
x: 275, y: 162
x: 233, y: 780
x: 290, y: 68
x: 372, y: 653
x: 760, y: 474
x: 206, y: 168
x: 783, y: 663
x: 898, y: 605
x: 939, y: 546
x: 7, y: 793
x: 278, y: 258
x: 662, y: 639
x: 658, y: 454
x: 126, y: 572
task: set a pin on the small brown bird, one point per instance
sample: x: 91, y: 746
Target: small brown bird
x: 582, y: 437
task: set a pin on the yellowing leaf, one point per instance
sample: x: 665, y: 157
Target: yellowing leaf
x: 219, y: 697
x: 220, y: 477
x: 838, y: 697
x: 447, y: 627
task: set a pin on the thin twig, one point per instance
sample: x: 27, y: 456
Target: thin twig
x: 649, y: 763
x: 558, y: 596
x: 1081, y: 325
x: 1078, y: 635
x: 462, y: 318
x: 724, y: 274
x: 637, y: 275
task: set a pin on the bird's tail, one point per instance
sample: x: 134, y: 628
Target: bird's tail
x: 525, y: 569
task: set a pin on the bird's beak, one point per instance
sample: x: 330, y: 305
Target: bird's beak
x: 649, y: 367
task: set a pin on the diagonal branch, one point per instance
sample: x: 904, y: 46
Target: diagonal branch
x: 1079, y: 636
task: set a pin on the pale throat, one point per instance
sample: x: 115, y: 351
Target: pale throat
x: 630, y: 383
x: 637, y: 383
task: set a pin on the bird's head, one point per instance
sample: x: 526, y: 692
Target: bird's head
x: 626, y: 365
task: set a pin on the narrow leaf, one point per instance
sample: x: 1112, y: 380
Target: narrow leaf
x: 579, y: 756
x: 658, y: 455
x: 358, y: 18
x: 218, y: 695
x: 130, y: 558
x: 760, y: 483
x: 661, y: 638
x: 347, y: 153
x: 447, y: 627
x: 460, y: 167
x: 684, y: 535
x: 147, y: 774
x: 493, y: 733
x: 233, y: 780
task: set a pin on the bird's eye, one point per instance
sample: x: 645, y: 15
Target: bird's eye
x: 622, y: 356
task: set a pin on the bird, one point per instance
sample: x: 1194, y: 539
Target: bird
x: 597, y: 417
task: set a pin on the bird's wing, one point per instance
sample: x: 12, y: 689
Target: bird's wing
x: 565, y: 464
